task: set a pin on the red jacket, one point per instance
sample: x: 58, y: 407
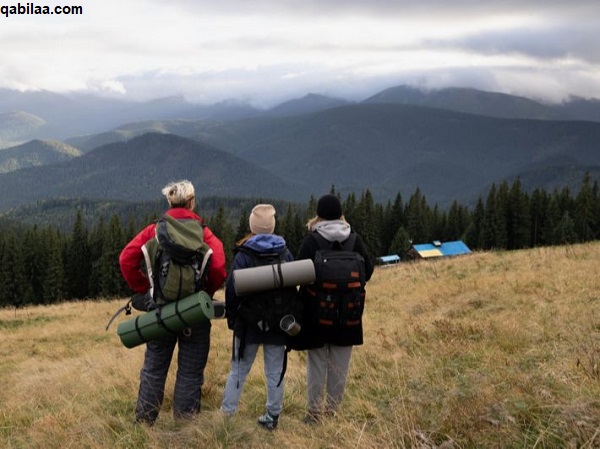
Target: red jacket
x: 131, y: 258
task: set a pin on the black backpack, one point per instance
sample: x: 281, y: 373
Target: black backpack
x: 339, y: 287
x: 263, y: 311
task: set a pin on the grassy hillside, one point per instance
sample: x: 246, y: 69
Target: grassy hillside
x: 490, y: 350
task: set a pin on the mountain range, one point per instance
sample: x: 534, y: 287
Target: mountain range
x: 452, y: 144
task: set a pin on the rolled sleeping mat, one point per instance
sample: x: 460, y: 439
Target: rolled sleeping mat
x: 170, y: 318
x: 269, y: 277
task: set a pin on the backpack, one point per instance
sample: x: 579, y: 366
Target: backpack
x: 263, y: 311
x: 339, y: 287
x: 177, y: 259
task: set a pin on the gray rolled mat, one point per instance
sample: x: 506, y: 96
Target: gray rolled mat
x: 269, y: 277
x: 170, y: 318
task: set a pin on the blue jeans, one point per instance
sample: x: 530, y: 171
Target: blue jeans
x: 273, y: 365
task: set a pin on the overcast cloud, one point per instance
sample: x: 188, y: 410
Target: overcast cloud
x: 267, y: 51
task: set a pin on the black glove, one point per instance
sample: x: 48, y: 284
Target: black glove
x: 143, y: 302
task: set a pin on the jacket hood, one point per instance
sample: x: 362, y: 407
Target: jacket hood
x: 333, y: 230
x: 265, y: 243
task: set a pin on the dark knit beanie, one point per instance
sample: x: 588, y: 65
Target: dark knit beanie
x: 329, y: 207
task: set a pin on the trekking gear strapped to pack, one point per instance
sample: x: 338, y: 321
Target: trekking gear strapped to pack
x: 263, y: 310
x: 177, y: 259
x: 339, y: 288
x: 277, y: 275
x: 170, y: 318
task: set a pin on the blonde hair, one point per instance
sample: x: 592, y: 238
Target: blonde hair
x: 179, y: 193
x: 310, y: 224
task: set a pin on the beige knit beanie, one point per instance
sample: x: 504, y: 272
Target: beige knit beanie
x: 262, y: 219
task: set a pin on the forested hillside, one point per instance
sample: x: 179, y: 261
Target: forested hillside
x: 386, y: 148
x: 42, y: 264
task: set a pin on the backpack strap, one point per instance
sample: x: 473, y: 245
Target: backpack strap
x: 284, y: 367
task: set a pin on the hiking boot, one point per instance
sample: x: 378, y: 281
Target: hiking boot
x: 268, y: 421
x: 312, y: 418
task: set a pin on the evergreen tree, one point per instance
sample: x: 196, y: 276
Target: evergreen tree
x: 437, y: 224
x: 243, y: 226
x: 77, y: 261
x: 96, y: 242
x: 565, y: 231
x: 219, y: 225
x: 538, y: 208
x: 12, y: 271
x: 311, y: 208
x: 585, y: 218
x: 349, y: 208
x: 52, y: 289
x: 596, y: 209
x: 367, y: 223
x: 33, y: 255
x: 518, y: 219
x: 494, y: 223
x: 111, y: 280
x: 550, y: 224
x: 393, y: 219
x: 474, y: 233
x: 417, y: 219
x: 292, y: 229
x: 401, y: 243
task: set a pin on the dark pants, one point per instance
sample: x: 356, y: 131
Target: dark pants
x: 191, y: 361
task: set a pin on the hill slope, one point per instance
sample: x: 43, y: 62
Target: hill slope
x: 385, y: 147
x: 492, y: 104
x: 490, y: 350
x: 35, y: 153
x: 19, y: 125
x: 137, y: 170
x: 392, y: 147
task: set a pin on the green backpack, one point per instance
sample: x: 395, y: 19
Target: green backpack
x: 177, y: 259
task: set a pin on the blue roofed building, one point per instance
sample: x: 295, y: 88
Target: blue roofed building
x: 388, y: 260
x: 440, y: 249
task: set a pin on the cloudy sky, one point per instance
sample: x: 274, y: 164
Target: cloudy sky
x: 267, y: 51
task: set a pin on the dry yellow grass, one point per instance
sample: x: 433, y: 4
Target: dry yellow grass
x: 486, y: 350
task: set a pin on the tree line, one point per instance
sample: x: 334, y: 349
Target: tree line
x: 42, y: 265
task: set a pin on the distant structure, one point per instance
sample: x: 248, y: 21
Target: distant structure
x: 388, y: 260
x: 439, y: 249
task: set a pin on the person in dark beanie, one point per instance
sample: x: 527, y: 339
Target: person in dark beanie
x: 329, y: 348
x: 261, y: 243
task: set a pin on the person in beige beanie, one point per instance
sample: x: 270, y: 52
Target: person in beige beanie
x: 262, y: 219
x: 259, y: 247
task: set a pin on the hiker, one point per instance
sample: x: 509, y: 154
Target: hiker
x: 193, y: 343
x: 330, y: 343
x: 245, y: 316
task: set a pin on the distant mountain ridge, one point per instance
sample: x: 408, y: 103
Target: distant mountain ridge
x: 394, y: 142
x: 492, y: 104
x: 384, y: 147
x: 67, y: 116
x: 306, y: 105
x: 16, y: 125
x: 138, y: 169
x: 36, y: 153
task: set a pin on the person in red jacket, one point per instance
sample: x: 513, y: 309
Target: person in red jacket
x: 194, y: 342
